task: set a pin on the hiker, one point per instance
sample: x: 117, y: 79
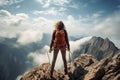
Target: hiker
x: 59, y: 42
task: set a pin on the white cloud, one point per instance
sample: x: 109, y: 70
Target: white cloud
x: 40, y: 19
x: 76, y: 45
x: 18, y: 6
x: 76, y: 6
x: 9, y: 2
x: 47, y: 3
x: 8, y: 19
x: 41, y: 1
x: 51, y: 11
x: 13, y: 25
x: 18, y: 19
x: 61, y: 2
x: 29, y: 36
x: 43, y: 24
x: 96, y: 15
x: 83, y: 25
x: 4, y: 13
x: 76, y: 26
x: 38, y: 12
x: 39, y: 57
x: 110, y: 26
x: 10, y: 24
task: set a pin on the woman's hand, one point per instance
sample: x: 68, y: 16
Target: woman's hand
x: 50, y: 50
x: 68, y: 49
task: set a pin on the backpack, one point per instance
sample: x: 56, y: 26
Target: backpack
x: 59, y: 40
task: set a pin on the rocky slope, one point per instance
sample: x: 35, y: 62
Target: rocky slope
x: 84, y: 67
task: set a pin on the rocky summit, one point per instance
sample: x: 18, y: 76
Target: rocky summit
x: 84, y: 67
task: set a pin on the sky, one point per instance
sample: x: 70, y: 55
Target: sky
x: 29, y: 19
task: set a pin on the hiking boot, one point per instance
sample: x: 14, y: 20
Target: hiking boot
x: 51, y: 76
x: 65, y: 71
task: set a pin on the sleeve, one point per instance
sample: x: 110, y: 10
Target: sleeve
x: 67, y: 40
x: 52, y: 40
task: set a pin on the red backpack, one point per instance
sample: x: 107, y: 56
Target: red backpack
x: 59, y: 38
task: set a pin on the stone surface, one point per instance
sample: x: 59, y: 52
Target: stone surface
x: 85, y: 67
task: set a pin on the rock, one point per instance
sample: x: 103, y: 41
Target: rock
x: 43, y: 73
x: 85, y: 67
x: 106, y: 69
x: 85, y: 60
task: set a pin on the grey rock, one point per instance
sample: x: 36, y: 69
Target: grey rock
x: 85, y: 67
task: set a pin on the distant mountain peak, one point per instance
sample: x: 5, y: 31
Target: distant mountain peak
x: 98, y: 47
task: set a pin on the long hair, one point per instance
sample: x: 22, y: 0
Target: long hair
x: 59, y: 25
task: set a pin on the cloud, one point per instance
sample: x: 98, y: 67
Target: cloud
x: 43, y: 24
x: 76, y: 45
x: 75, y: 6
x: 47, y: 3
x: 9, y: 2
x: 76, y: 26
x: 30, y: 36
x: 110, y: 26
x: 61, y: 2
x: 8, y: 19
x: 52, y: 11
x: 83, y: 25
x: 4, y: 13
x: 97, y: 14
x: 18, y: 6
x: 13, y: 25
x: 39, y: 56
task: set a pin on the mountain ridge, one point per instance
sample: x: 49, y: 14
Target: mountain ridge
x: 98, y: 47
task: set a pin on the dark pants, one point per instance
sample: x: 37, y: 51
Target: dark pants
x: 55, y: 53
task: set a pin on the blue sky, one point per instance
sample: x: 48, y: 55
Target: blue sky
x: 81, y: 17
x: 71, y: 7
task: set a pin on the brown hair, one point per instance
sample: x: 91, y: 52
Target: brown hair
x: 59, y: 25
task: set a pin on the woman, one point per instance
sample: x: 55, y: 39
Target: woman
x: 59, y: 42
